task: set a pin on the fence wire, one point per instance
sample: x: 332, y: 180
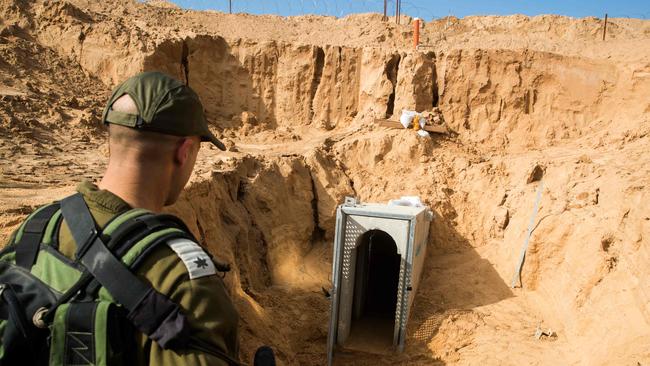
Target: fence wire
x: 427, y: 10
x: 337, y: 8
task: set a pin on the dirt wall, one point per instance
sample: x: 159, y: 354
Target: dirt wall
x: 528, y: 98
x: 496, y: 97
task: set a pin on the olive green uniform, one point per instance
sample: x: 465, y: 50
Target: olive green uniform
x: 204, y: 300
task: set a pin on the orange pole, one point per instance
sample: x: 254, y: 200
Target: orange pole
x: 416, y: 32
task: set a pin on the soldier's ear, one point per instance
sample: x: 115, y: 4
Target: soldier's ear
x: 184, y: 150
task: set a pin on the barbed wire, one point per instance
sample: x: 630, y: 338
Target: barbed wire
x: 631, y: 16
x: 338, y: 8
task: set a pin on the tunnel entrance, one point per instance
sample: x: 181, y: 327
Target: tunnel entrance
x: 377, y: 262
x: 375, y: 291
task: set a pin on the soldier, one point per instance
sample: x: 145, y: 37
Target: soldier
x: 156, y: 125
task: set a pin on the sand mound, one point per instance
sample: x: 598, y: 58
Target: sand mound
x: 295, y: 100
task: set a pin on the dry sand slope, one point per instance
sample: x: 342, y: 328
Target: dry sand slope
x: 295, y: 98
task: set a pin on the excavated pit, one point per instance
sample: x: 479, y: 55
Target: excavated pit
x: 274, y: 218
x: 298, y: 117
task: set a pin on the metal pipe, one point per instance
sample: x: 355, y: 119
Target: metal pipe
x: 416, y: 33
x: 397, y: 11
x: 399, y: 6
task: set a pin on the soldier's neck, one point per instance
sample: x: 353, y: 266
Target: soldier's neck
x: 138, y: 188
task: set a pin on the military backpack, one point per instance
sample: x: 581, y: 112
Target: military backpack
x: 62, y: 312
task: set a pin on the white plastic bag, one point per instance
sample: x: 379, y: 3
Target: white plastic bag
x: 406, y: 119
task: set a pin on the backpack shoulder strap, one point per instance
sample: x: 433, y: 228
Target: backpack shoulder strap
x: 132, y: 230
x: 172, y: 231
x: 160, y: 229
x: 151, y: 227
x: 28, y: 238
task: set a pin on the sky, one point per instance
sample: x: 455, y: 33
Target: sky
x: 431, y: 9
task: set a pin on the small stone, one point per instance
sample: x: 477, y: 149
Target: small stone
x: 535, y: 174
x: 606, y: 242
x: 501, y: 217
x: 248, y: 119
x: 504, y: 197
x: 73, y: 102
x: 9, y: 30
x: 584, y: 159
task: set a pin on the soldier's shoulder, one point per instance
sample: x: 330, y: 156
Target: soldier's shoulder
x: 178, y: 257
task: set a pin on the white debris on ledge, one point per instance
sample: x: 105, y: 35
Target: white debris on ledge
x: 410, y: 118
x: 411, y: 201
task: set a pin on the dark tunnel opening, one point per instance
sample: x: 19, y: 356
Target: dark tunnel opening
x: 375, y: 289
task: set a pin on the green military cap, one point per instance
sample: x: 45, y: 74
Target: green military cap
x: 165, y: 105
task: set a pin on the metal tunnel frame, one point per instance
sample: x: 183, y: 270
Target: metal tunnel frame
x: 343, y: 264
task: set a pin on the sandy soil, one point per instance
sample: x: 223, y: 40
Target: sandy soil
x: 295, y: 101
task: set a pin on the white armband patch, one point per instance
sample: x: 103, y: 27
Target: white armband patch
x: 196, y: 260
